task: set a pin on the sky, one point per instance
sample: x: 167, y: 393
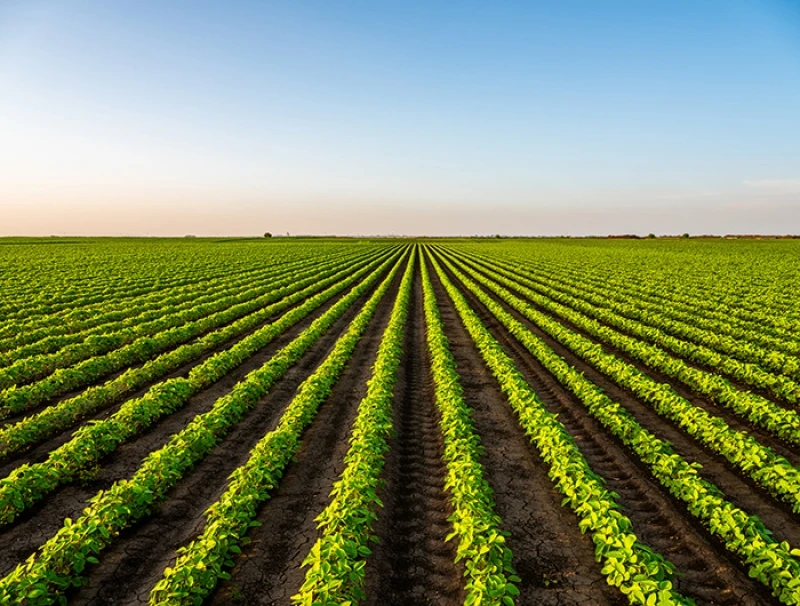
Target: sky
x: 563, y: 117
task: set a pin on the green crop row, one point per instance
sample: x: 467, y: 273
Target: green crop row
x: 673, y: 293
x: 756, y: 409
x: 133, y: 272
x: 60, y: 562
x: 29, y: 342
x: 123, y: 289
x: 201, y: 563
x: 29, y: 483
x: 643, y: 575
x: 336, y: 562
x: 669, y: 301
x: 750, y: 373
x: 34, y: 338
x: 19, y: 399
x: 49, y: 305
x: 775, y: 349
x: 27, y: 369
x: 62, y: 415
x: 772, y: 562
x: 481, y: 541
x: 768, y: 469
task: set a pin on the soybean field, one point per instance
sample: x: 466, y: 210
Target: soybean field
x: 392, y: 421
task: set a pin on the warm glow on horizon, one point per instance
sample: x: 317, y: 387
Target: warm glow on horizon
x: 427, y: 119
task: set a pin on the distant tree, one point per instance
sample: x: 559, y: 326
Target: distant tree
x: 267, y: 235
x: 651, y: 235
x: 685, y: 236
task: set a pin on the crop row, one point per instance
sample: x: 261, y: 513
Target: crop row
x: 336, y: 562
x: 30, y: 341
x: 718, y: 330
x: 158, y: 275
x: 771, y: 471
x: 64, y: 380
x: 756, y: 409
x: 771, y: 562
x: 55, y: 304
x: 677, y: 292
x: 42, y: 334
x: 703, y: 347
x: 30, y: 482
x: 62, y: 415
x: 643, y: 575
x: 61, y: 561
x: 489, y: 574
x: 26, y: 369
x: 201, y: 563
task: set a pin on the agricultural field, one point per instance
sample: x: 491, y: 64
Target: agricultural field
x: 287, y: 421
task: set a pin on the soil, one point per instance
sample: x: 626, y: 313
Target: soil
x: 706, y: 571
x: 554, y: 561
x: 40, y: 522
x: 135, y: 563
x: 412, y: 563
x: 739, y: 489
x: 269, y: 570
x: 787, y: 450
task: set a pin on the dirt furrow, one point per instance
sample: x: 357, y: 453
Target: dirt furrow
x: 707, y: 572
x: 738, y: 488
x: 575, y: 291
x: 554, y: 560
x: 41, y: 451
x: 133, y: 565
x: 43, y: 520
x: 269, y: 569
x: 412, y: 563
x: 790, y: 452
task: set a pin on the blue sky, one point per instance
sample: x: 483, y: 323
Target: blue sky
x: 377, y: 117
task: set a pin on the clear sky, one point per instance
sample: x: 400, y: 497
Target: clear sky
x: 557, y: 117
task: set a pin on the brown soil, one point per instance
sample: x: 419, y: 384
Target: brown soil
x: 739, y: 489
x: 131, y: 567
x: 39, y: 452
x: 707, y: 572
x: 412, y: 563
x: 269, y: 568
x: 42, y: 521
x: 554, y: 560
x: 47, y: 445
x: 789, y: 451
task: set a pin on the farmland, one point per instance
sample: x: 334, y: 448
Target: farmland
x: 328, y: 421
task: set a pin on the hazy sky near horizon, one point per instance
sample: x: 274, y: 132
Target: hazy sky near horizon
x: 557, y: 117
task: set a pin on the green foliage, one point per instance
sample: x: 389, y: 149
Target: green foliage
x: 59, y: 563
x: 735, y: 355
x: 773, y: 472
x: 202, y: 562
x: 638, y: 571
x: 770, y: 561
x: 335, y: 563
x: 481, y: 541
x: 28, y: 483
x: 720, y: 317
